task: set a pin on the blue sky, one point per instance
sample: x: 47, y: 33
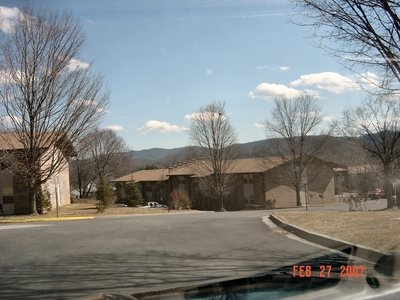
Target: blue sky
x: 162, y: 60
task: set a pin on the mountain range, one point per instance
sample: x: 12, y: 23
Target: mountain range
x: 337, y: 149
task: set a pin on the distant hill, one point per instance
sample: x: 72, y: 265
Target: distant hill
x: 340, y: 150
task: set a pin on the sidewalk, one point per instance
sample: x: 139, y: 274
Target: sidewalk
x: 29, y: 219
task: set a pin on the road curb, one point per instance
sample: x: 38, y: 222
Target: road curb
x: 45, y: 220
x: 362, y: 252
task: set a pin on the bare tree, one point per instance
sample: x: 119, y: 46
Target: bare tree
x: 365, y: 32
x: 291, y: 128
x: 212, y: 131
x: 374, y: 125
x: 100, y: 154
x: 107, y: 149
x: 82, y: 171
x: 48, y: 98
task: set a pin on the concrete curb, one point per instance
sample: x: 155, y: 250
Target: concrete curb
x: 362, y: 252
x: 54, y: 219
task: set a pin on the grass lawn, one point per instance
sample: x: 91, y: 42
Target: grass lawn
x: 379, y: 230
x: 87, y: 207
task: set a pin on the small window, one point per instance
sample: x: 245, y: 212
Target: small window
x: 181, y: 180
x: 248, y: 179
x: 8, y: 199
x: 148, y: 187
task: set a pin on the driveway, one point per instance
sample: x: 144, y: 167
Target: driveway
x: 128, y: 254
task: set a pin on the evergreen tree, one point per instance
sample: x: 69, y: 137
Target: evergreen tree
x: 134, y: 196
x: 105, y: 195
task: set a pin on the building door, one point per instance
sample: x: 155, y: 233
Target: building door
x: 248, y: 191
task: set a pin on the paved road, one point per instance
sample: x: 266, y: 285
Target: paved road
x: 137, y: 253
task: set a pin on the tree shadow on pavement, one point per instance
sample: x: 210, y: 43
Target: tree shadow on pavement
x: 88, y: 275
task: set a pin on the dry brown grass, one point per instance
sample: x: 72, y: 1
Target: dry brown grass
x: 87, y: 207
x: 375, y: 229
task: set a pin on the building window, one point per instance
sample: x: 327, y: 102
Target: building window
x: 6, y: 183
x: 248, y: 178
x: 8, y: 199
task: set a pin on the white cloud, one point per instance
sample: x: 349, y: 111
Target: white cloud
x: 371, y: 79
x: 8, y: 121
x: 192, y: 116
x: 209, y: 72
x: 329, y: 119
x: 8, y: 16
x: 5, y: 77
x: 161, y: 126
x: 204, y: 115
x: 273, y: 68
x: 75, y: 64
x: 85, y: 102
x: 283, y: 68
x: 271, y: 90
x: 115, y: 127
x: 94, y: 103
x: 330, y: 81
x: 259, y: 125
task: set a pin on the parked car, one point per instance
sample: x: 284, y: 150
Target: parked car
x: 376, y: 194
x: 155, y: 205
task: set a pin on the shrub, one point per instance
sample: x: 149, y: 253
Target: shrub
x: 43, y: 203
x: 355, y: 202
x: 105, y: 196
x: 179, y: 200
x: 270, y: 203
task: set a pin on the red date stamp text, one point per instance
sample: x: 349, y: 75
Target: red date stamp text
x: 327, y: 271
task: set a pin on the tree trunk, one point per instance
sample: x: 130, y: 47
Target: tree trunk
x: 32, y: 196
x: 387, y: 186
x: 298, y: 197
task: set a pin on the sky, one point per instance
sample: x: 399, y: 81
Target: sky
x: 164, y: 59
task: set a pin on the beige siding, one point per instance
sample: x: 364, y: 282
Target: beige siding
x: 60, y: 183
x: 58, y: 186
x: 322, y: 183
x: 283, y: 195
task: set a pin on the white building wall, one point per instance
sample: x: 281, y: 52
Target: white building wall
x: 58, y: 185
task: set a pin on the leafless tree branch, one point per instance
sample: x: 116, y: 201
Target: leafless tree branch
x: 291, y: 130
x: 363, y: 32
x: 212, y: 131
x: 46, y: 104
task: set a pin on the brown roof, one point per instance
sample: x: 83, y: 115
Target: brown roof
x: 11, y: 141
x: 239, y: 166
x: 255, y: 165
x: 145, y: 175
x: 188, y: 168
x: 200, y: 168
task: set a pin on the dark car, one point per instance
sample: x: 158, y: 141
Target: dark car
x: 376, y: 194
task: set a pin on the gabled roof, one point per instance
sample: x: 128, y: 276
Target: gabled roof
x: 11, y: 141
x: 144, y: 175
x: 198, y: 168
x: 201, y: 168
x: 255, y: 165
